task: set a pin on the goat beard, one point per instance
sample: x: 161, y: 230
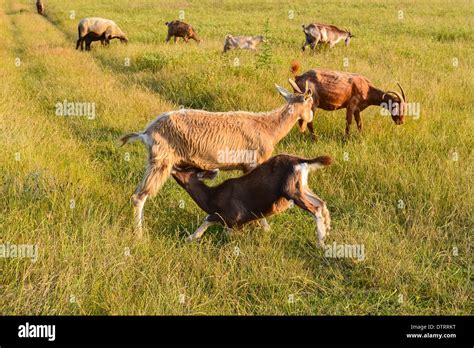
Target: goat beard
x: 302, y: 125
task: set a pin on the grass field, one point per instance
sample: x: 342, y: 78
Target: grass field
x: 403, y: 192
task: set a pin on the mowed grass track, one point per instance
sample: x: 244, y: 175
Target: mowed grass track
x: 417, y: 258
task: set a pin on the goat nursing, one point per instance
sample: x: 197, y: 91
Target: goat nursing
x: 196, y: 137
x: 267, y: 190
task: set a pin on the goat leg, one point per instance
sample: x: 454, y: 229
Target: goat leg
x: 358, y: 120
x: 208, y: 221
x: 263, y: 222
x: 157, y: 172
x: 348, y: 120
x: 325, y: 212
x: 312, y: 204
x: 139, y: 203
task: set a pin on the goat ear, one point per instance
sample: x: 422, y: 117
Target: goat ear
x: 285, y: 94
x: 208, y: 174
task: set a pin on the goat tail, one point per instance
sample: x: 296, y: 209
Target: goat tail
x: 319, y: 162
x: 295, y: 67
x: 131, y: 137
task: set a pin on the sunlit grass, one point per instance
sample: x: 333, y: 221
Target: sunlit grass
x: 89, y: 261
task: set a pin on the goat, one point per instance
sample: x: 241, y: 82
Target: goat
x: 242, y: 42
x: 198, y: 138
x: 95, y: 29
x: 267, y: 190
x: 334, y: 90
x: 321, y: 33
x: 40, y: 7
x: 180, y: 29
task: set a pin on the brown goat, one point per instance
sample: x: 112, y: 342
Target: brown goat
x: 317, y: 33
x: 40, y: 7
x: 267, y: 190
x: 180, y: 29
x: 334, y: 90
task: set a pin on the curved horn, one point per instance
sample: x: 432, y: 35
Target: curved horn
x: 401, y: 102
x: 403, y: 92
x: 295, y: 86
x: 395, y: 94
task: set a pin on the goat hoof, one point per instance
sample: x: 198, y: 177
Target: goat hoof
x: 190, y: 239
x: 265, y: 226
x: 139, y: 233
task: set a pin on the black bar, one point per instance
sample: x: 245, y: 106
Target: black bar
x: 242, y: 330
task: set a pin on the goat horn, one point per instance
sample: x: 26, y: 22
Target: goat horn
x: 295, y: 86
x: 403, y: 92
x: 306, y: 86
x: 400, y: 98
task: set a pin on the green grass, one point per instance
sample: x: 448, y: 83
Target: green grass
x: 82, y: 251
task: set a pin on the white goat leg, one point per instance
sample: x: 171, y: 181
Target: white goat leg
x: 320, y: 227
x: 139, y: 203
x: 201, y: 229
x: 320, y: 203
x: 263, y: 222
x: 327, y: 219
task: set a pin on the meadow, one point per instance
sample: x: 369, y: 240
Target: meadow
x: 403, y: 192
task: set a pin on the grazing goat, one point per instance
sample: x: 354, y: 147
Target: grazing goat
x: 267, y: 190
x: 95, y: 29
x: 201, y: 139
x: 242, y: 42
x: 333, y: 90
x: 321, y: 33
x: 180, y: 29
x: 40, y: 7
